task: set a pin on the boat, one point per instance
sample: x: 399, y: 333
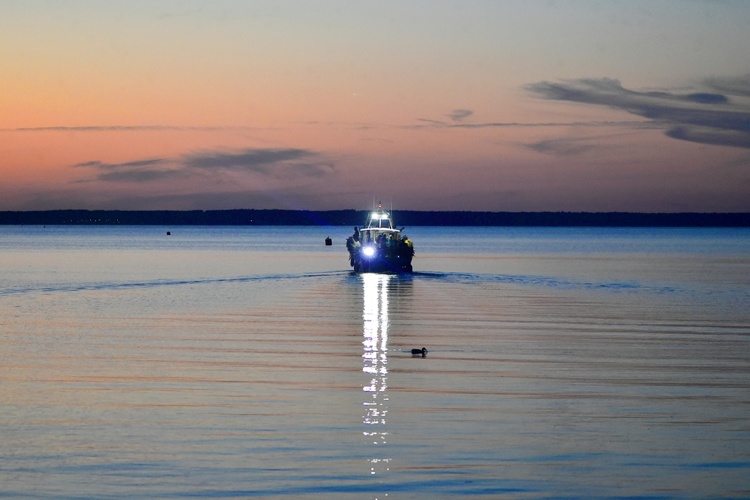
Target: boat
x: 380, y: 247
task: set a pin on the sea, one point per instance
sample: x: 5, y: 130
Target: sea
x: 250, y: 362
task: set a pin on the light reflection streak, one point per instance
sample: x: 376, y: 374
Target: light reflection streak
x: 375, y: 364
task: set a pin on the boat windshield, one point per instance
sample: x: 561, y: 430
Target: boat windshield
x: 380, y: 219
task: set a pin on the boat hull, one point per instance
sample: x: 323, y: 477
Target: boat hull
x: 393, y: 264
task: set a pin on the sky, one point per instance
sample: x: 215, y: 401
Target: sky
x: 480, y: 105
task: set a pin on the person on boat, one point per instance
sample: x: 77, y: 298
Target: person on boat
x: 407, y: 244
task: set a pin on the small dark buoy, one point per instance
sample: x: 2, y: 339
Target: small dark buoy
x: 419, y: 352
x: 329, y: 241
x: 169, y: 233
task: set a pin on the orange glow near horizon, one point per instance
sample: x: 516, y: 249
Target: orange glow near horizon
x: 464, y: 109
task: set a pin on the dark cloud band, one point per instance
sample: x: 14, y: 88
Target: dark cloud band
x: 268, y: 162
x: 710, y: 117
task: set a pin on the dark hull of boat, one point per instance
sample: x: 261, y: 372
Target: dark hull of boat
x: 395, y: 264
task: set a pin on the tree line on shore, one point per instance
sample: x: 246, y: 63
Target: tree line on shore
x: 244, y: 217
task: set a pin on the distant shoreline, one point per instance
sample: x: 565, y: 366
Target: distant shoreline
x: 249, y: 217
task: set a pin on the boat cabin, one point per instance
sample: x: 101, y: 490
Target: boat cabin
x: 379, y: 229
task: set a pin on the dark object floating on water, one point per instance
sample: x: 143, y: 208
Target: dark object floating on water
x: 169, y: 233
x: 379, y: 247
x: 419, y: 352
x: 329, y: 241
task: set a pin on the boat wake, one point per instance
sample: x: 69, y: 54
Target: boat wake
x: 545, y: 281
x: 456, y: 278
x: 114, y: 285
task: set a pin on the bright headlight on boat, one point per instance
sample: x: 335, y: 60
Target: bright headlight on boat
x: 368, y: 251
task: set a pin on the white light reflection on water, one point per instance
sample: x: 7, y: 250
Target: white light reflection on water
x: 375, y: 364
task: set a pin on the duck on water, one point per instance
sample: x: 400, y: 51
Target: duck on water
x: 380, y: 247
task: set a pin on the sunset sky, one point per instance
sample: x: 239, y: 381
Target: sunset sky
x: 500, y: 105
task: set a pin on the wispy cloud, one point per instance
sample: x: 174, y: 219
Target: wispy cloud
x: 573, y: 146
x: 739, y: 86
x: 267, y: 162
x: 257, y: 160
x: 142, y: 175
x: 127, y: 128
x: 429, y: 123
x: 114, y: 166
x: 564, y: 147
x: 270, y: 162
x: 459, y: 114
x: 146, y: 170
x: 714, y: 116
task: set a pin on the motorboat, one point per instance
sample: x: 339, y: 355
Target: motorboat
x: 379, y: 246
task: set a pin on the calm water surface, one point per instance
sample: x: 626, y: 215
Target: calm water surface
x: 249, y: 362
